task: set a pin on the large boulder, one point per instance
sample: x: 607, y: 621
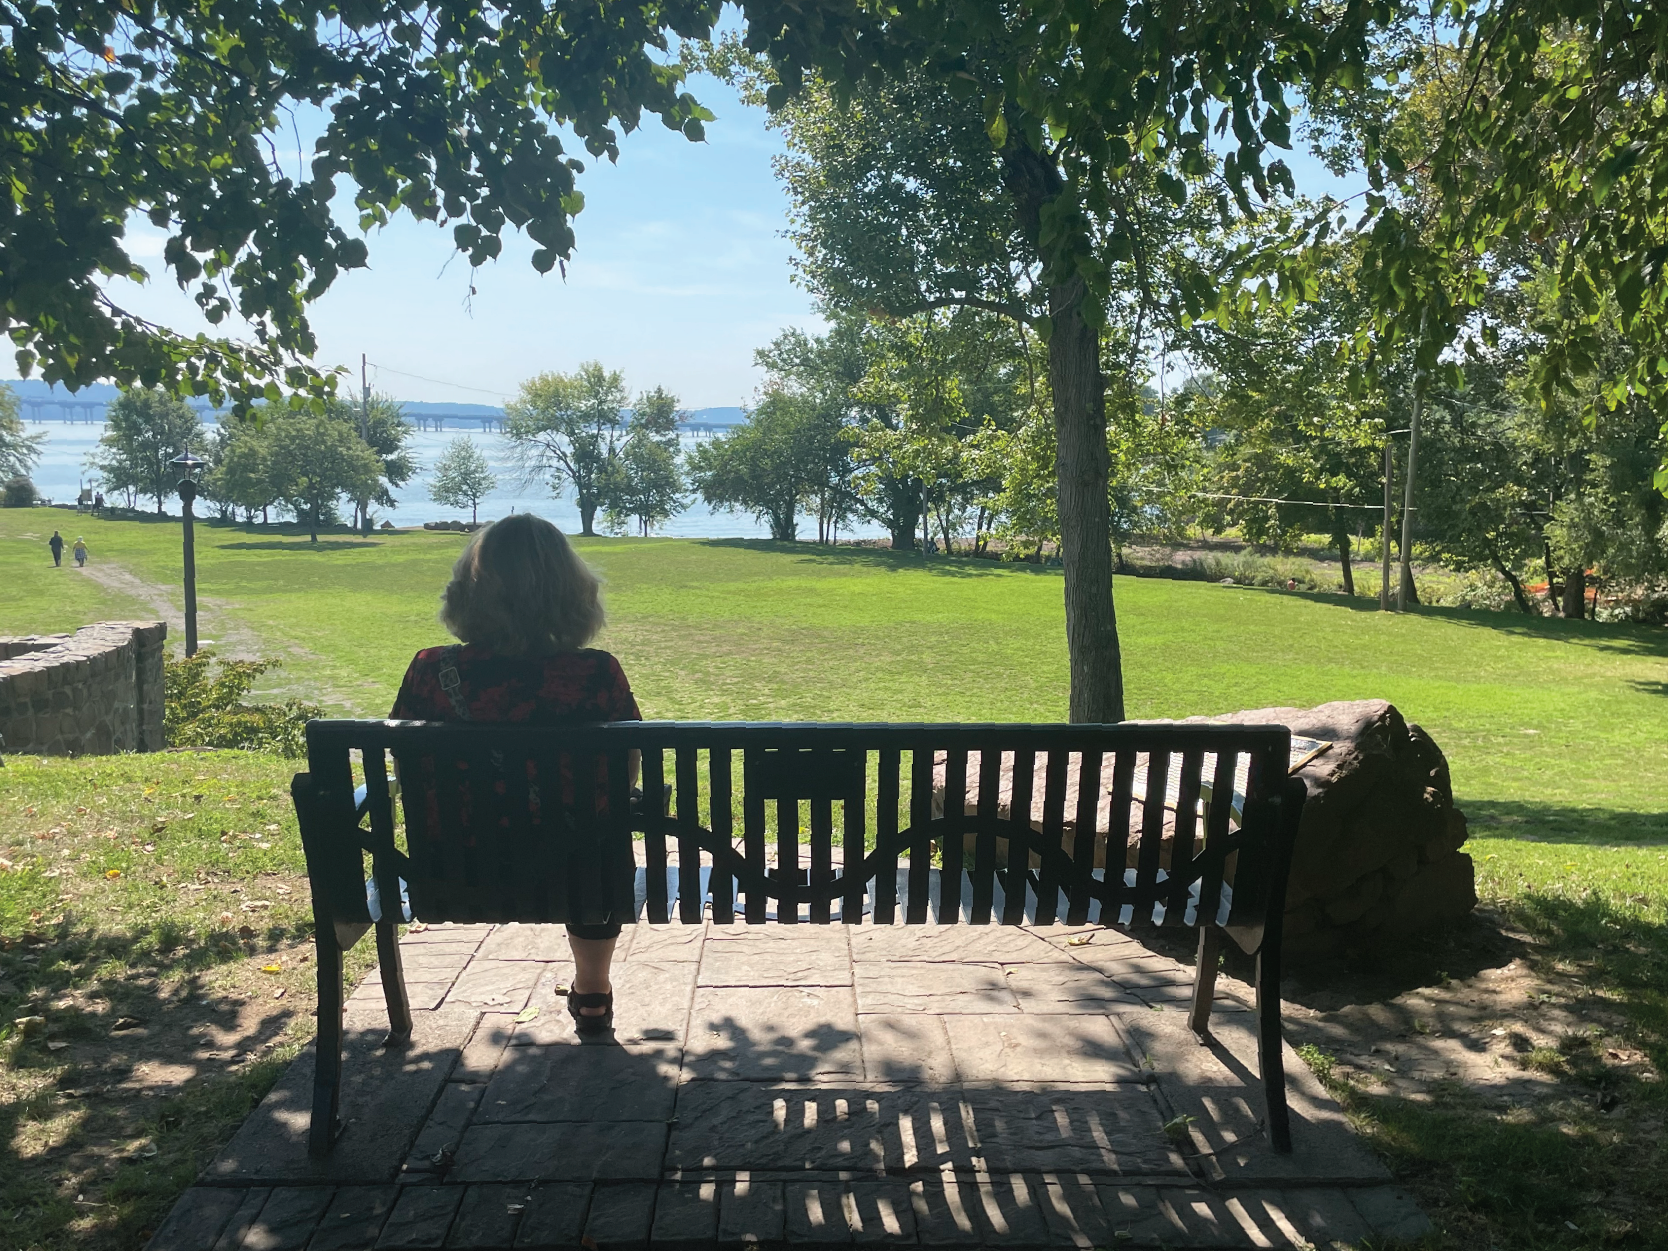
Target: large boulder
x: 1378, y: 853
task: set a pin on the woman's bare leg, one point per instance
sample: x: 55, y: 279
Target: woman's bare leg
x: 592, y: 959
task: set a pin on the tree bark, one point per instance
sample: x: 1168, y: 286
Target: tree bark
x: 1082, y: 464
x: 1084, y: 472
x: 1518, y: 593
x: 587, y: 515
x: 1343, y: 557
x: 1575, y: 593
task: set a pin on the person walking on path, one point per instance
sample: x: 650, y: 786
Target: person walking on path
x: 80, y: 552
x: 56, y: 543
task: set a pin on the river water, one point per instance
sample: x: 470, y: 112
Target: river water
x: 62, y: 471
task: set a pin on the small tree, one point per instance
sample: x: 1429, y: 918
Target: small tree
x: 647, y: 483
x: 313, y: 462
x: 145, y: 430
x: 462, y: 477
x: 242, y: 474
x: 18, y: 492
x: 569, y: 430
x: 767, y: 467
x: 382, y: 426
x: 18, y: 451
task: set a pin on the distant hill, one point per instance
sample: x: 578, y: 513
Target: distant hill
x: 45, y: 402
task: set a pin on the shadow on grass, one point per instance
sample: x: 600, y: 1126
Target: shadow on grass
x: 1553, y: 823
x: 302, y: 544
x: 881, y: 558
x: 1586, y: 1166
x: 138, y: 1075
x: 1637, y: 640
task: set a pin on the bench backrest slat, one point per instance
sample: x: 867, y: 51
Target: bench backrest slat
x: 987, y: 824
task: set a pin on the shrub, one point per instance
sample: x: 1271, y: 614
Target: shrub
x: 18, y: 492
x: 1249, y: 569
x: 203, y: 707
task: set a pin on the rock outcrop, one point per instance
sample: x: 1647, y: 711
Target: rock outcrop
x: 1378, y: 854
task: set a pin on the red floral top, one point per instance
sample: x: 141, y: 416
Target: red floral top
x: 569, y: 688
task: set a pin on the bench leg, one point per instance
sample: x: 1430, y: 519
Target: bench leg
x: 1204, y: 979
x: 1270, y: 1054
x: 393, y: 984
x: 327, y: 1064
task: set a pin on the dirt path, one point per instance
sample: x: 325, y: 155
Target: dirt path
x: 216, y: 623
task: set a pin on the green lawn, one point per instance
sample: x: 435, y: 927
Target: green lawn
x: 1554, y: 729
x: 126, y: 885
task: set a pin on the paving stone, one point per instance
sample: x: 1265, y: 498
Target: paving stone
x: 1325, y: 1218
x: 581, y: 1082
x: 486, y: 1045
x: 495, y: 985
x: 420, y: 1219
x: 906, y: 1049
x: 750, y: 1213
x: 288, y: 1219
x: 1166, y: 1216
x: 984, y: 1212
x: 354, y: 1219
x: 447, y: 932
x: 1389, y: 1212
x: 1071, y: 1208
x: 775, y: 955
x: 815, y: 1214
x: 613, y: 1151
x: 487, y: 1217
x: 429, y: 962
x: 652, y: 998
x: 438, y: 1140
x: 1103, y: 945
x: 1162, y: 1042
x: 664, y: 943
x: 198, y: 1218
x: 386, y: 1096
x: 882, y: 1211
x: 685, y: 1216
x: 953, y: 944
x: 422, y: 996
x: 774, y: 1033
x: 555, y: 1217
x: 551, y: 1022
x: 1061, y: 1129
x: 749, y: 1125
x: 527, y: 942
x: 897, y: 986
x: 620, y: 1217
x: 1029, y: 1047
x: 231, y: 1238
x: 1066, y: 987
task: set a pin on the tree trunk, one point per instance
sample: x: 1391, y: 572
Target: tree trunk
x: 1081, y: 459
x: 1084, y: 469
x: 1518, y: 593
x: 1343, y: 557
x: 1412, y: 589
x: 903, y: 540
x: 1575, y: 593
x: 587, y: 515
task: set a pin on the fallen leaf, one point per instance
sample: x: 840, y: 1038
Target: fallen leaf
x: 526, y: 1015
x: 255, y: 905
x: 27, y: 1024
x: 56, y: 1044
x: 126, y: 1023
x: 282, y: 890
x: 279, y: 993
x: 1082, y: 940
x: 560, y: 988
x: 112, y: 874
x: 272, y: 968
x: 243, y: 931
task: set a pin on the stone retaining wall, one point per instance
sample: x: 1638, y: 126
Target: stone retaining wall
x: 92, y: 693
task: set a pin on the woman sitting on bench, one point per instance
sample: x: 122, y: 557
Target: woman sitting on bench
x: 524, y: 605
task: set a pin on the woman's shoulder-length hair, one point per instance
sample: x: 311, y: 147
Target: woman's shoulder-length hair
x: 520, y: 589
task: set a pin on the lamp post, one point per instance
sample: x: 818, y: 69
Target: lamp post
x: 189, y: 465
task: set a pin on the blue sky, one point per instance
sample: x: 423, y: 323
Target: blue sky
x: 680, y: 273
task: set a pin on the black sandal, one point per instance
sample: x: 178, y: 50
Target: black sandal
x: 586, y: 1023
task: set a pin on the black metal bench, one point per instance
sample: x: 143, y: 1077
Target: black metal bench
x: 944, y: 823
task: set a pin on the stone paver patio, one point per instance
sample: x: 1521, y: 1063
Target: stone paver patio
x: 808, y: 1085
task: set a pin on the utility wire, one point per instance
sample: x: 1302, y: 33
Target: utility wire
x: 440, y: 382
x: 1269, y: 499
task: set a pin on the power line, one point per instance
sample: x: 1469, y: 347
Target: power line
x: 441, y: 382
x: 1269, y: 499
